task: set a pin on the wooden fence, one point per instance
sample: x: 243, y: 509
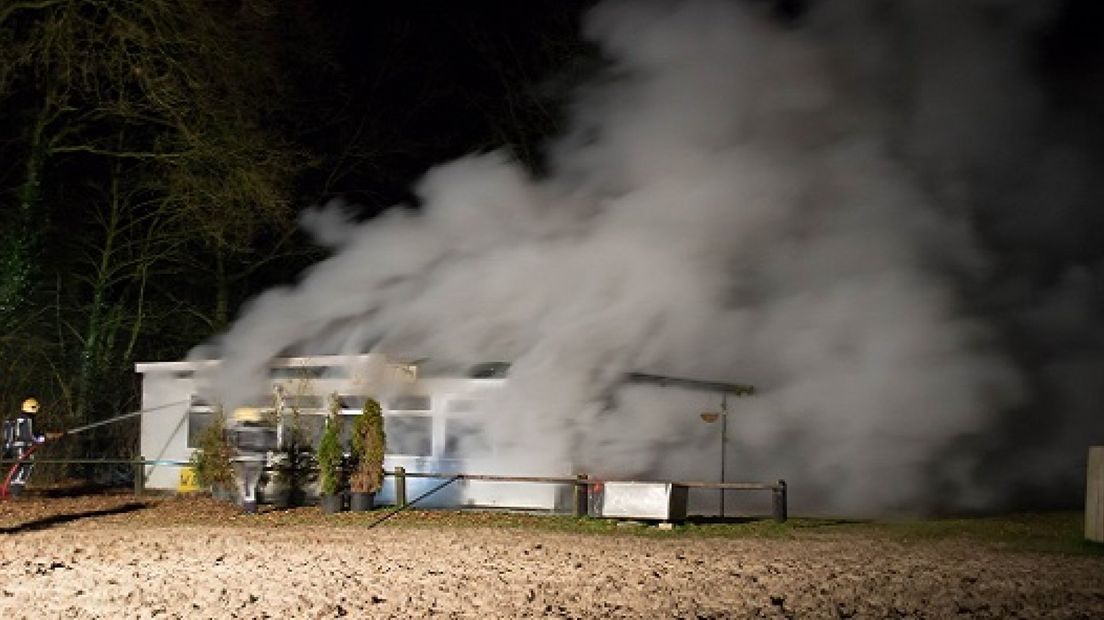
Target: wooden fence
x: 581, y: 482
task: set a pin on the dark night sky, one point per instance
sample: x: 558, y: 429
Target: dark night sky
x: 436, y: 80
x: 433, y: 80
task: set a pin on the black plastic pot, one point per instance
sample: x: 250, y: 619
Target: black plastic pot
x: 361, y: 502
x: 297, y: 497
x: 279, y: 499
x: 332, y: 503
x: 222, y: 494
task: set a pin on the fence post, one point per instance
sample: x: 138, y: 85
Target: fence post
x: 139, y: 475
x: 400, y: 486
x: 779, y: 503
x: 1094, y: 495
x: 580, y: 509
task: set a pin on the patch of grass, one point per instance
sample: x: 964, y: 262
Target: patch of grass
x: 1052, y: 532
x: 1060, y: 532
x: 703, y: 528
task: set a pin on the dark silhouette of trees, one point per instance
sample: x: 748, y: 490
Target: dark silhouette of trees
x: 149, y: 174
x: 156, y: 153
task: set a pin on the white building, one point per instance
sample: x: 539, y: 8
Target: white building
x: 426, y: 420
x: 432, y: 424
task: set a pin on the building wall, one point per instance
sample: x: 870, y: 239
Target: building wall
x: 422, y: 418
x: 165, y: 398
x: 442, y: 426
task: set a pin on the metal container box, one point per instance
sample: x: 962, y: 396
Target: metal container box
x: 661, y: 501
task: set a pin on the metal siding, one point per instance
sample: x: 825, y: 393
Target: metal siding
x: 165, y: 431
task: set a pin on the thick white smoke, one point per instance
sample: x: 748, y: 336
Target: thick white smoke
x: 732, y: 204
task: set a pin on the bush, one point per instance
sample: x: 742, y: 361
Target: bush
x: 211, y: 460
x: 329, y: 452
x: 367, y: 448
x: 294, y: 459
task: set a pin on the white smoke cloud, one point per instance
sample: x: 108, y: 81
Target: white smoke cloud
x: 737, y: 201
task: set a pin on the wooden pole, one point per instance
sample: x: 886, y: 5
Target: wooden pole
x: 581, y: 496
x: 780, y: 508
x: 1094, y: 495
x: 400, y: 486
x: 139, y: 475
x: 724, y: 441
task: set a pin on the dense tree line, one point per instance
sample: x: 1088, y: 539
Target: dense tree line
x: 145, y: 175
x: 155, y: 153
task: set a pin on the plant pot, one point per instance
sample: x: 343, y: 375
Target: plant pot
x: 332, y: 503
x: 281, y: 493
x: 222, y: 494
x: 278, y: 496
x: 361, y: 502
x: 297, y: 497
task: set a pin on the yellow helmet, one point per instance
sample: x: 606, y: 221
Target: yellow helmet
x: 248, y: 414
x: 30, y: 406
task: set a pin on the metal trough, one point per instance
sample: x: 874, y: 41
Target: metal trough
x: 661, y: 501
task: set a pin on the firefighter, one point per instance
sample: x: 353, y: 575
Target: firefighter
x: 251, y: 438
x: 19, y: 442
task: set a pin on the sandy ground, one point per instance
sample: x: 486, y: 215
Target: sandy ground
x: 104, y: 564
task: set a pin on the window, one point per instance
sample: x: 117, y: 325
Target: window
x: 466, y: 437
x: 462, y: 406
x: 409, y: 402
x: 408, y: 435
x: 198, y: 422
x: 305, y: 401
x: 254, y: 438
x: 300, y: 372
x: 349, y: 401
x: 489, y: 370
x: 309, y: 372
x: 312, y: 427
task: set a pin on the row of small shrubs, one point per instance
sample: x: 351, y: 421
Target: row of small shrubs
x: 212, y: 460
x: 366, y: 451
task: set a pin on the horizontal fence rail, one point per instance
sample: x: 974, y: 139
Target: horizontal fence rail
x: 730, y: 486
x: 779, y: 491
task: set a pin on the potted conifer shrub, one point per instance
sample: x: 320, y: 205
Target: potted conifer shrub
x: 293, y: 460
x: 367, y: 447
x: 211, y: 460
x: 330, y: 459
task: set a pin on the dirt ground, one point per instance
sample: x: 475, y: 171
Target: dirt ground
x: 114, y: 557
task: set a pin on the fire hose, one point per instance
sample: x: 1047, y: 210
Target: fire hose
x: 23, y: 458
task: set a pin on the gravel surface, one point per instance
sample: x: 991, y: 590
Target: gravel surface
x: 115, y: 561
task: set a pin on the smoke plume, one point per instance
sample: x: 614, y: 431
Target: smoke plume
x: 866, y: 214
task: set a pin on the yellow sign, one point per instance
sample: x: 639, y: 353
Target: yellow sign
x: 188, y: 480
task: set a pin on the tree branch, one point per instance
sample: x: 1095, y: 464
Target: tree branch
x: 123, y: 154
x: 7, y: 11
